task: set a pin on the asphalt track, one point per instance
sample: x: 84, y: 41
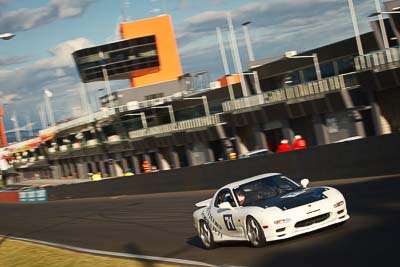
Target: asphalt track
x: 161, y: 225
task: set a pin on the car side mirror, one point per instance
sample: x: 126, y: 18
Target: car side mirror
x: 304, y: 182
x: 225, y: 205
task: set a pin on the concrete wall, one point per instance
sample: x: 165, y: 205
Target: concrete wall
x: 364, y: 157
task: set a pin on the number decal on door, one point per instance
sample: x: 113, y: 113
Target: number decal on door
x: 229, y: 222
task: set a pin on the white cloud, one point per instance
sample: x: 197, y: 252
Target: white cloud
x: 57, y: 72
x: 11, y: 60
x: 7, y: 99
x: 24, y: 19
x: 61, y: 54
x: 69, y: 8
x: 183, y: 4
x: 205, y: 17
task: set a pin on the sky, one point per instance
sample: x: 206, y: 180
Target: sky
x: 48, y: 31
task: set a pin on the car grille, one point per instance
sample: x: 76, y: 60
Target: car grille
x: 313, y: 220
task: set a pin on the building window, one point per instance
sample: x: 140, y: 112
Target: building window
x: 189, y: 113
x: 215, y: 106
x: 132, y: 124
x: 292, y: 78
x: 109, y: 130
x: 339, y: 126
x: 200, y: 153
x: 154, y: 96
x: 310, y: 74
x: 345, y: 65
x: 327, y: 70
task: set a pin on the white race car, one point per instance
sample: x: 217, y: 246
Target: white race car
x: 265, y: 208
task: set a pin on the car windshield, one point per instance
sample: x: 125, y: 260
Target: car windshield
x: 264, y: 188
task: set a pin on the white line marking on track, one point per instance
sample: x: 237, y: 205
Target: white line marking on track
x: 109, y: 253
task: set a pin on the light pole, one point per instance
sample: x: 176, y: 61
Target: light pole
x: 42, y: 117
x: 6, y: 36
x: 225, y: 62
x: 85, y: 99
x: 248, y: 41
x: 47, y: 95
x: 106, y: 80
x: 315, y: 59
x: 222, y: 50
x: 205, y: 103
x: 14, y: 119
x: 98, y: 100
x: 170, y: 110
x: 235, y: 52
x: 382, y: 24
x: 142, y: 116
x: 29, y: 125
x: 355, y: 27
x: 256, y: 81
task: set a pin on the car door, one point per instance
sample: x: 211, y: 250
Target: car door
x: 226, y: 218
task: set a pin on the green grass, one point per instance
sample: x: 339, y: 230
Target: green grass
x: 21, y: 254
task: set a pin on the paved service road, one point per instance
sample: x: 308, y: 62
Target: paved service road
x: 161, y: 225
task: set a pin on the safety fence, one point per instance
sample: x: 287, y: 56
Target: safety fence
x: 379, y: 59
x: 296, y: 92
x: 205, y: 121
x: 177, y: 126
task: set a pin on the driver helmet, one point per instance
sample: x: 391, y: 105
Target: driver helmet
x: 241, y: 198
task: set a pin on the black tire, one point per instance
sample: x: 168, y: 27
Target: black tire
x: 206, y: 235
x: 255, y: 233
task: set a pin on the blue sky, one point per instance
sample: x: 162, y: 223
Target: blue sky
x: 48, y: 31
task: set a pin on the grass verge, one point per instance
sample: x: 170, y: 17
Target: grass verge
x: 25, y: 254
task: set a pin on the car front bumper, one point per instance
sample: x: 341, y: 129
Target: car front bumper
x: 295, y: 228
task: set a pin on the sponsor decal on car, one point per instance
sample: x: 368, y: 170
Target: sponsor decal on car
x: 229, y: 222
x: 214, y: 225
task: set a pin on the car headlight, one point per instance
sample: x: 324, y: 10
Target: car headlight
x: 340, y: 203
x: 281, y: 221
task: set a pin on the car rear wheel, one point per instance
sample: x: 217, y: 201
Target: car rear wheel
x: 255, y: 233
x: 206, y: 235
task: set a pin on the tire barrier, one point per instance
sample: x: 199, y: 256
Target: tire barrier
x: 29, y: 195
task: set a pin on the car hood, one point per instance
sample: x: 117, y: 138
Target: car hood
x: 293, y: 199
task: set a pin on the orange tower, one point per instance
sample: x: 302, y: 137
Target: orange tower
x: 170, y: 66
x: 3, y: 138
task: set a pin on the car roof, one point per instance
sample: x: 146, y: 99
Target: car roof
x: 250, y: 179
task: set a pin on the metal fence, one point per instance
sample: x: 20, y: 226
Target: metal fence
x: 381, y: 58
x: 102, y: 114
x: 296, y: 92
x: 177, y: 126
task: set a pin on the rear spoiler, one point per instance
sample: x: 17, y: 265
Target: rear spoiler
x: 204, y: 203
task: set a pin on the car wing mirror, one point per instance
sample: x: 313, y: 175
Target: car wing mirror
x: 225, y: 205
x: 304, y: 182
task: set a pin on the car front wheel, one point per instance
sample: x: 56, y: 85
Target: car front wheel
x: 255, y: 233
x: 206, y: 235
